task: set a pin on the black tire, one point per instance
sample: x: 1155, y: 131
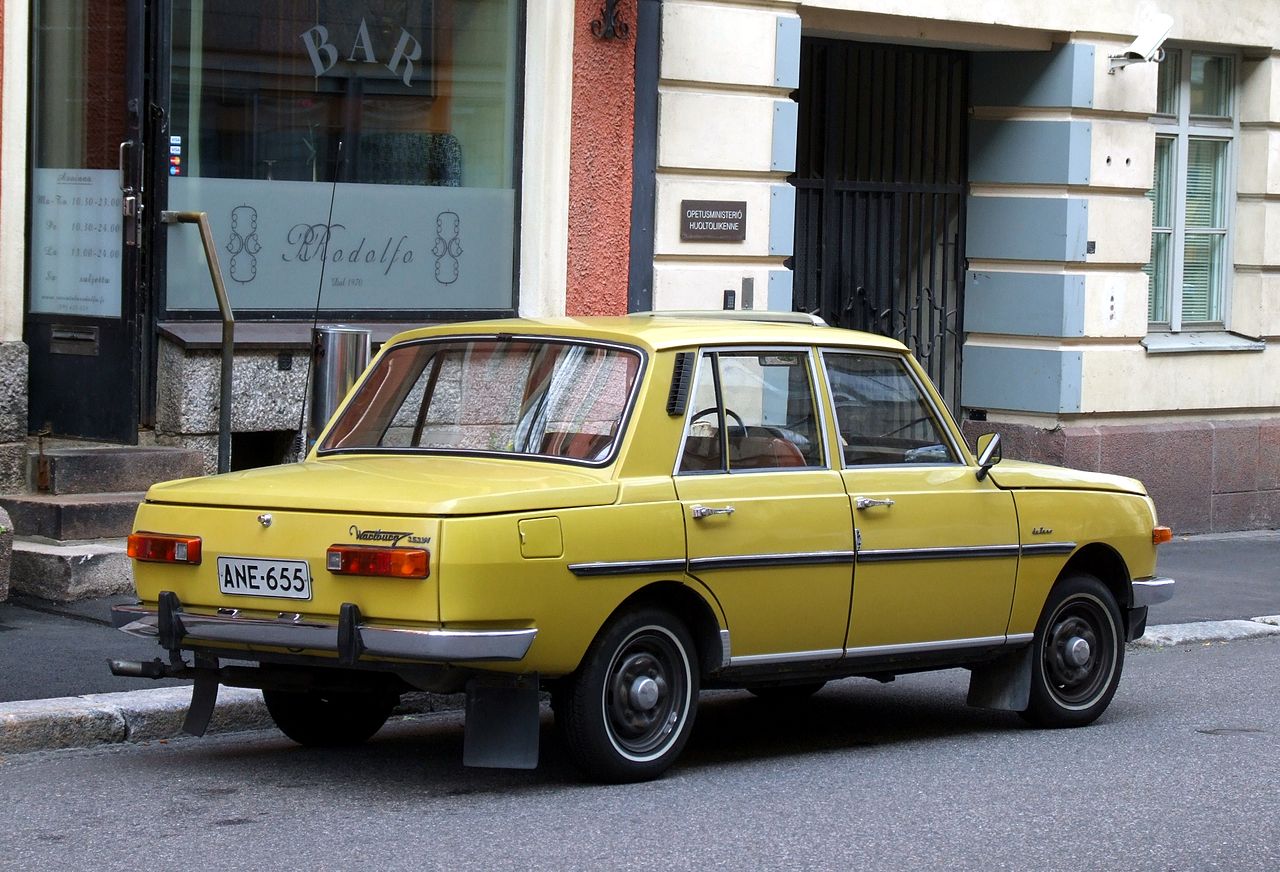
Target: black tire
x: 786, y: 692
x: 1077, y: 655
x: 627, y: 712
x: 329, y: 720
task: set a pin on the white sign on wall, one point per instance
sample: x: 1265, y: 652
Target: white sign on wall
x: 75, y: 242
x: 385, y: 247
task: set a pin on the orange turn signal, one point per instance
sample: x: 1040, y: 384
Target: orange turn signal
x: 1161, y: 534
x: 164, y: 548
x: 372, y: 560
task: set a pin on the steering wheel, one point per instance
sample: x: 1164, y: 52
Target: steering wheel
x: 711, y: 410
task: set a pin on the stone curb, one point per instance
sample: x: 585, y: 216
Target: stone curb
x: 151, y: 715
x: 146, y: 715
x: 1164, y: 635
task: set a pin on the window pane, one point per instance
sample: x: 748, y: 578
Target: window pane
x: 398, y: 120
x: 1161, y: 194
x: 768, y: 414
x: 769, y: 410
x: 704, y: 444
x: 1206, y: 176
x: 1202, y: 278
x: 1158, y: 271
x: 881, y: 414
x: 545, y: 399
x: 1167, y: 86
x: 1210, y: 85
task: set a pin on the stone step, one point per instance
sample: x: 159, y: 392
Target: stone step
x: 69, y: 571
x: 64, y: 517
x: 111, y: 469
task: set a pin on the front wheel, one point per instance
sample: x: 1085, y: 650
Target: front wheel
x: 1077, y: 655
x: 329, y: 720
x: 628, y: 710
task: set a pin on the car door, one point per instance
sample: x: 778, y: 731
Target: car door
x: 937, y: 547
x: 767, y: 519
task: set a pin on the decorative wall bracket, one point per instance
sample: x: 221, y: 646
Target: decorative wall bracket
x: 608, y: 26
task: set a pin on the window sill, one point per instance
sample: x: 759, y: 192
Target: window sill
x: 1183, y: 343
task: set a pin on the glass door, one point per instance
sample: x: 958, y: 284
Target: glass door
x: 83, y: 303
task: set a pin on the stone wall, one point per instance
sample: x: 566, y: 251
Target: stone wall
x: 13, y: 416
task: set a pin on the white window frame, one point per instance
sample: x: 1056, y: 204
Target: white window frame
x: 1181, y: 128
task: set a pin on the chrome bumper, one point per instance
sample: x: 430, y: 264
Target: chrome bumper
x: 425, y: 646
x: 1149, y: 591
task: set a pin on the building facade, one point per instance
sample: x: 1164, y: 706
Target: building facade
x: 1071, y: 213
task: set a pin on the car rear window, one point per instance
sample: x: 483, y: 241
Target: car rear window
x: 540, y: 398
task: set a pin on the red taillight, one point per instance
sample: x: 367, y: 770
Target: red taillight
x: 1161, y: 534
x: 371, y: 560
x: 163, y: 548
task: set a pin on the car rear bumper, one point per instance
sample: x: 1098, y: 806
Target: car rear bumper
x: 292, y: 632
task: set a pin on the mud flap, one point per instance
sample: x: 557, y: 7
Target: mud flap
x: 501, y: 730
x: 1004, y: 684
x: 203, y: 697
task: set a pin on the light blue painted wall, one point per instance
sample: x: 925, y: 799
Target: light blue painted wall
x: 1024, y: 304
x: 786, y: 55
x: 1021, y: 379
x: 1059, y: 78
x: 782, y: 220
x: 1030, y: 152
x: 1027, y: 228
x: 786, y: 122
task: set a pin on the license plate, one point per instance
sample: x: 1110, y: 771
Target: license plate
x: 252, y: 576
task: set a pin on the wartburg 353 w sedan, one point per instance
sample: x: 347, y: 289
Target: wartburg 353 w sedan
x: 624, y: 511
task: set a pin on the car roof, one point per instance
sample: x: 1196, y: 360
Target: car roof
x: 660, y: 331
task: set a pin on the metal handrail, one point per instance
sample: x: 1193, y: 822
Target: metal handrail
x: 201, y: 219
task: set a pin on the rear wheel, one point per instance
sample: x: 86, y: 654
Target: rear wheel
x: 323, y: 719
x: 628, y: 710
x: 1078, y: 654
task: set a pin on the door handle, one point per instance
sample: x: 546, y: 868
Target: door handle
x: 705, y: 512
x: 868, y: 502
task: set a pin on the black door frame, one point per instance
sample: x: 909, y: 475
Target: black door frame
x: 881, y: 178
x: 85, y: 372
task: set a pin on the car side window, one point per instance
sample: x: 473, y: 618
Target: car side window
x: 881, y: 413
x: 752, y: 410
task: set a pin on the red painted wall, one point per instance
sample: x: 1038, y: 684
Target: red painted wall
x: 601, y: 138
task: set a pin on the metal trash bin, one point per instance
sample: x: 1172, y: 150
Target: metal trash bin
x: 338, y: 356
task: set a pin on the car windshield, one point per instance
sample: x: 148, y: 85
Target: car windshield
x: 541, y: 398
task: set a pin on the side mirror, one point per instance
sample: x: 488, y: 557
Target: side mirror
x: 989, y: 453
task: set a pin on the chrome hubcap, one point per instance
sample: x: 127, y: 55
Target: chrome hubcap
x: 645, y: 693
x: 1077, y: 651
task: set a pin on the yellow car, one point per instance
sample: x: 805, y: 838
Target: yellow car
x: 623, y: 511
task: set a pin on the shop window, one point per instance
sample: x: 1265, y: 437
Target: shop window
x: 372, y: 144
x: 1192, y: 196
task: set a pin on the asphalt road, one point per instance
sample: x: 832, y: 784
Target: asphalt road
x: 1179, y: 774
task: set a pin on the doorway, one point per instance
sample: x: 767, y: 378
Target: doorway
x: 880, y: 202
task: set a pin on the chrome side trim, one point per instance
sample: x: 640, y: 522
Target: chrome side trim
x: 725, y: 656
x: 1048, y: 548
x: 627, y: 567
x: 788, y: 657
x: 1018, y: 638
x: 799, y: 558
x: 428, y: 646
x: 1149, y: 591
x: 890, y: 555
x: 926, y: 647
x: 964, y: 552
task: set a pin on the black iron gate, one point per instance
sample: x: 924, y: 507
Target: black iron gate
x: 880, y: 178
